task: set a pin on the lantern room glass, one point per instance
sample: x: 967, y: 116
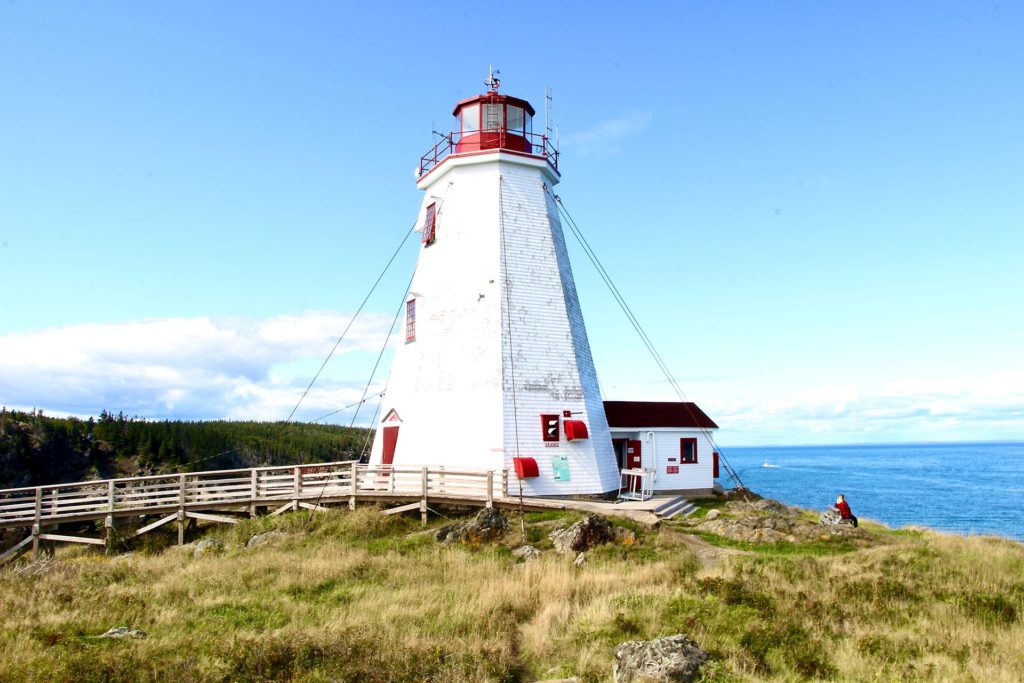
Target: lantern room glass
x: 514, y: 119
x: 493, y: 116
x: 470, y: 118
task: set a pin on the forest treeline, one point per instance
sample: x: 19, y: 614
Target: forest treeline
x: 36, y: 449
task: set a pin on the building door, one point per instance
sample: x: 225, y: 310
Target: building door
x: 619, y: 446
x: 633, y: 461
x: 390, y: 442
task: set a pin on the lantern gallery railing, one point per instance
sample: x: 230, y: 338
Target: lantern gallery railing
x: 157, y: 500
x: 489, y: 140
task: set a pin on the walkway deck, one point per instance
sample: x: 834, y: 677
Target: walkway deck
x: 225, y: 495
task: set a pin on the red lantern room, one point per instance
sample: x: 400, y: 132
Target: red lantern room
x: 491, y: 122
x: 494, y: 121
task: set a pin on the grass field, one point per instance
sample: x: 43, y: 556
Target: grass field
x: 357, y: 596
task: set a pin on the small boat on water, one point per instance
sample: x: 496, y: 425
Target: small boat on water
x: 768, y: 464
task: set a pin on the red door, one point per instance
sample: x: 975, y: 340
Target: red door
x: 390, y: 442
x: 633, y: 462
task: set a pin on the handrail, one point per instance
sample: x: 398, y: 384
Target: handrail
x: 96, y: 499
x: 540, y: 146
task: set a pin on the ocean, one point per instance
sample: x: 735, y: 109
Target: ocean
x: 968, y: 488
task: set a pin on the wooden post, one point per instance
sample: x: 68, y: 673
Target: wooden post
x: 297, y: 492
x: 440, y: 480
x: 354, y: 486
x: 490, y: 488
x: 423, y: 502
x: 36, y: 528
x: 254, y: 488
x: 181, y: 508
x: 53, y: 502
x: 108, y: 522
x: 504, y: 483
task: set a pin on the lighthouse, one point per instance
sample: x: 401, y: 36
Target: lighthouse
x: 495, y: 370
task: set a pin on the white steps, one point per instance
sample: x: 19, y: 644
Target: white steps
x: 673, y: 507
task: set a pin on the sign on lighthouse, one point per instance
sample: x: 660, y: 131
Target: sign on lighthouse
x: 495, y: 371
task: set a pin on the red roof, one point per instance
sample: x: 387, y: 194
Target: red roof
x: 645, y: 414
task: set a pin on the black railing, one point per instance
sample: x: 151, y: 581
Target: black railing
x: 539, y: 146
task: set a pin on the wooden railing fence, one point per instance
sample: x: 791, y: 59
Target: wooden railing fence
x: 198, y: 495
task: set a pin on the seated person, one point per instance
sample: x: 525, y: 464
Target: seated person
x: 844, y: 509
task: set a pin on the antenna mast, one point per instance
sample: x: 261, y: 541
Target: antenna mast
x: 548, y: 104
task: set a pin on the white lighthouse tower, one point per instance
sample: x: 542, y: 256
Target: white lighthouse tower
x: 496, y: 371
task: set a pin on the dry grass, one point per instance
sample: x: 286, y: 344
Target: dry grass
x: 362, y: 597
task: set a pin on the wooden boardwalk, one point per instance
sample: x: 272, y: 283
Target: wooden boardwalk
x: 146, y: 503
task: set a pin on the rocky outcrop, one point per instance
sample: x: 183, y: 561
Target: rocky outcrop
x: 210, y: 546
x: 584, y: 535
x: 765, y: 521
x: 675, y: 658
x: 488, y: 525
x: 260, y: 539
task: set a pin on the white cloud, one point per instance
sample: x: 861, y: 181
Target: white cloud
x: 196, y: 368
x: 949, y: 409
x: 605, y: 137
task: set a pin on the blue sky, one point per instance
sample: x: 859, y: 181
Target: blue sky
x: 815, y: 209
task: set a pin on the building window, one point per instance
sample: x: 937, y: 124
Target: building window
x: 410, y: 320
x: 688, y: 451
x: 430, y: 224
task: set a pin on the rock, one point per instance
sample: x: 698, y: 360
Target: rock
x: 488, y: 525
x: 583, y: 535
x: 769, y: 505
x: 625, y: 536
x: 260, y: 539
x: 581, y: 560
x: 124, y: 632
x: 675, y: 658
x: 830, y: 517
x: 449, y: 533
x: 526, y: 553
x: 210, y: 546
x: 713, y: 514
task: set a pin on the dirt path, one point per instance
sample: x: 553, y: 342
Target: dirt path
x: 707, y: 555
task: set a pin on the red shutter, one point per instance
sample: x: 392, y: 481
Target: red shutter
x: 526, y: 468
x: 576, y: 429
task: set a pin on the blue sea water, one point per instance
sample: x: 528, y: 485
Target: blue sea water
x: 974, y: 488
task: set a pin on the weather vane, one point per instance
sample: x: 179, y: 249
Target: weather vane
x: 493, y: 82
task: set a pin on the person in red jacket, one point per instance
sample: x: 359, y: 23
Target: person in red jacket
x: 844, y: 509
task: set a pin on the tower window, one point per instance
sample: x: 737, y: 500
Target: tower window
x: 430, y: 224
x: 410, y: 320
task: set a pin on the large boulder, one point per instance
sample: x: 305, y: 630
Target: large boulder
x: 583, y: 535
x: 488, y: 525
x: 675, y: 658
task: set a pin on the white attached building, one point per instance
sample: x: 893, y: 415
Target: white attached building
x: 672, y: 440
